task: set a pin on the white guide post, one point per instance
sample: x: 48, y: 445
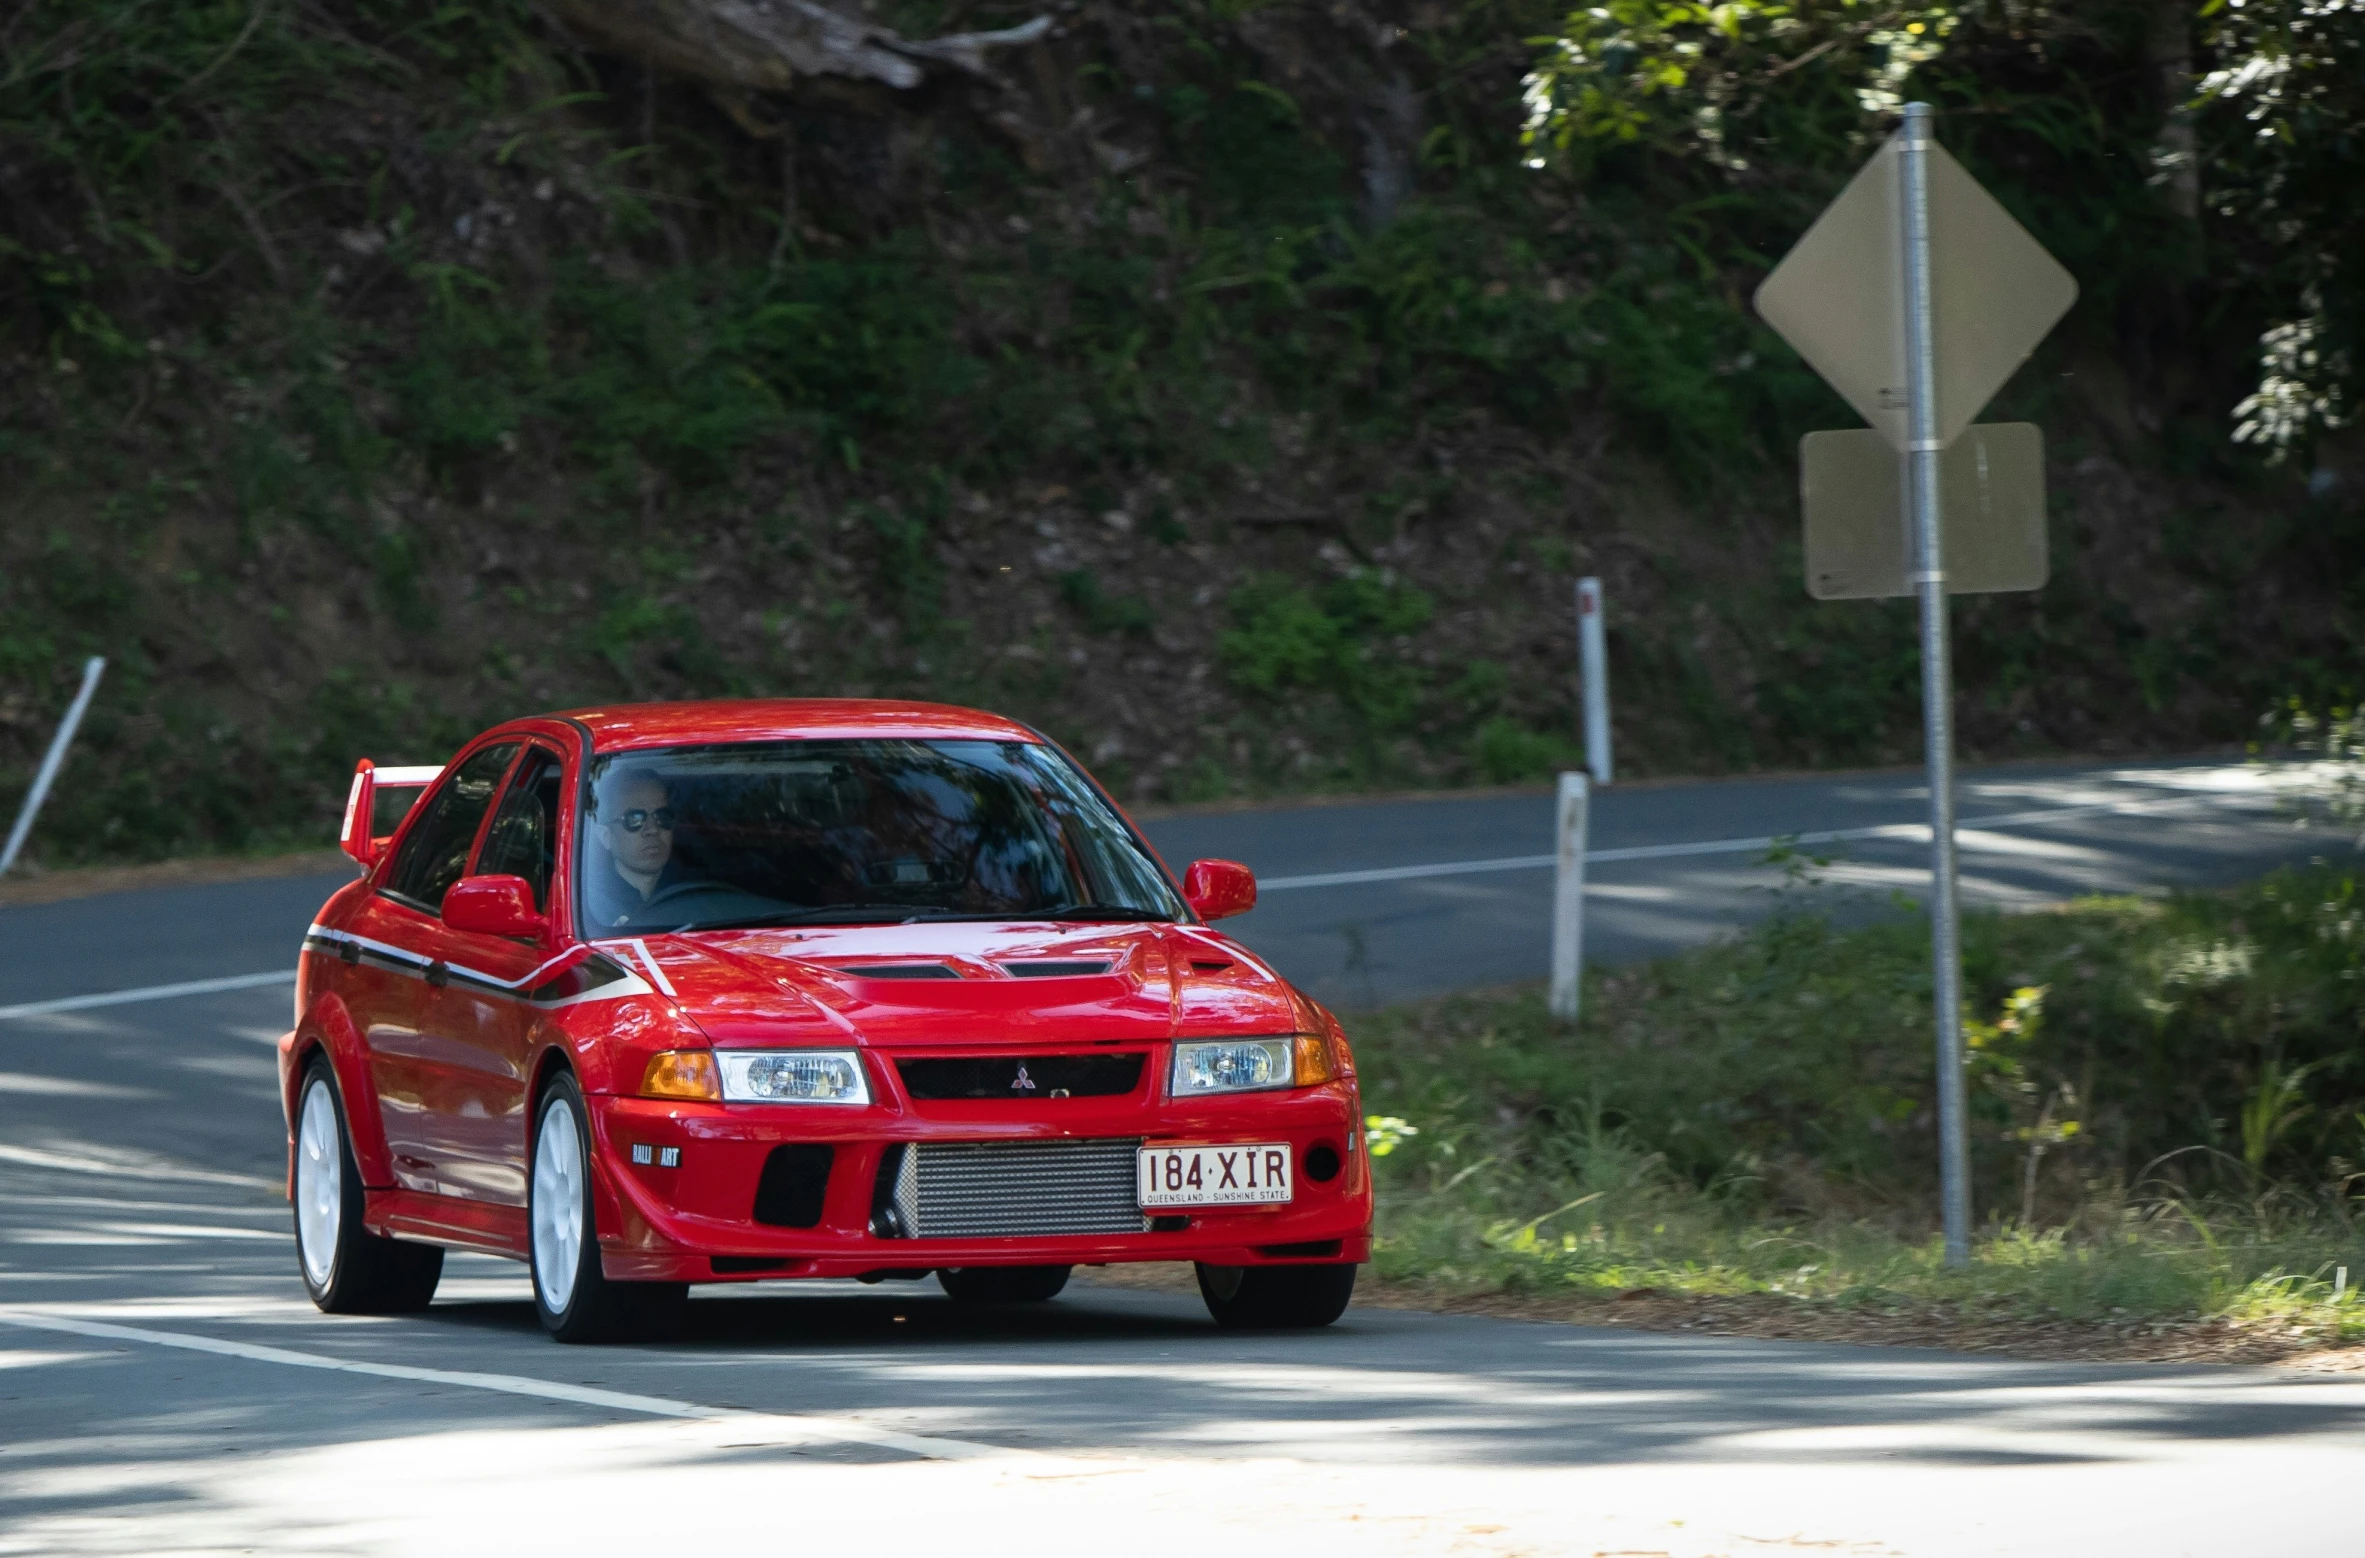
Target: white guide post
x: 1593, y: 660
x: 56, y: 759
x: 1568, y: 899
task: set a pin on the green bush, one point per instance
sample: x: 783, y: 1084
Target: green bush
x: 2167, y: 1112
x: 1803, y: 1047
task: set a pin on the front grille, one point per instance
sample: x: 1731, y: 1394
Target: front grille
x: 1021, y: 1076
x: 992, y: 1190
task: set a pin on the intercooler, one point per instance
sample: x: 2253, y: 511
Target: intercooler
x: 995, y: 1190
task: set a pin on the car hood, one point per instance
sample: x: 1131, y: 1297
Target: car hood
x: 963, y: 983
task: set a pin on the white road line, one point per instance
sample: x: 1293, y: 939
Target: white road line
x: 84, y: 1003
x: 1909, y: 832
x: 840, y: 1430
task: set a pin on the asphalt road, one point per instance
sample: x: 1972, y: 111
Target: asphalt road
x: 164, y: 1387
x: 1345, y: 912
x: 1369, y: 902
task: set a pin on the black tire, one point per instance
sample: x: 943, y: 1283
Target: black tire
x: 1003, y: 1284
x: 1274, y: 1298
x: 347, y: 1269
x: 573, y: 1296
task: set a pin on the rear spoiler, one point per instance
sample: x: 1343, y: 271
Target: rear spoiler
x: 360, y: 837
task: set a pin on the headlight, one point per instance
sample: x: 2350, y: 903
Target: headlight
x: 1249, y: 1065
x: 793, y: 1076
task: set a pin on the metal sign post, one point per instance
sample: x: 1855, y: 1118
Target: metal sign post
x: 1916, y: 296
x: 1922, y: 449
x: 92, y: 670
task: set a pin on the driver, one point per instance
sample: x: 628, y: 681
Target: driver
x: 635, y: 832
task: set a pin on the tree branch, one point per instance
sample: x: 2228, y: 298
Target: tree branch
x: 765, y: 45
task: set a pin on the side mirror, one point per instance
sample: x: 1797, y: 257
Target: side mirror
x: 1219, y: 889
x: 492, y: 906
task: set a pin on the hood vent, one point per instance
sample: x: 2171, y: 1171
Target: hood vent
x: 1210, y: 965
x: 1057, y: 968
x: 897, y: 971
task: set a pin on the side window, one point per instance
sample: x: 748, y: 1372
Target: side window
x: 523, y: 840
x: 436, y: 852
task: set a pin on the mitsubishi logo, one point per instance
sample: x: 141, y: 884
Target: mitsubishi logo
x: 1024, y: 1082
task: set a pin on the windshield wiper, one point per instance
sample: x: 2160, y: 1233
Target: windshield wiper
x: 1098, y: 911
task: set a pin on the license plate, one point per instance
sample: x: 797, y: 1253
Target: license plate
x: 1235, y: 1174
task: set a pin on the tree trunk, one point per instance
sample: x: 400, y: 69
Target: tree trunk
x: 2172, y: 66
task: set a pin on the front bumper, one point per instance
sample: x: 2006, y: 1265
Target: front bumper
x: 688, y: 1214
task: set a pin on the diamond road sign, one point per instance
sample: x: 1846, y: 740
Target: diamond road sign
x: 1838, y: 297
x: 1992, y: 485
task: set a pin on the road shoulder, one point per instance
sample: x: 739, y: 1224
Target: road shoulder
x: 35, y: 887
x: 1768, y: 1317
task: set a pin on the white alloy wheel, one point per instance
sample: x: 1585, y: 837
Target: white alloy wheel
x: 320, y: 1182
x: 559, y: 1203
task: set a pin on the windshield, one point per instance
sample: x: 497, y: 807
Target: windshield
x: 854, y: 832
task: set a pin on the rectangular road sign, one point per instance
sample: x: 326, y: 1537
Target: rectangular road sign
x: 1839, y: 295
x: 1852, y: 491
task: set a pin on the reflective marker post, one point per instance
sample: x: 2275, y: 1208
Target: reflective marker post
x: 1593, y: 665
x: 50, y: 764
x: 1923, y: 446
x: 1568, y: 899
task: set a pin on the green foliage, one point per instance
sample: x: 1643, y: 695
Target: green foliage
x: 1102, y: 612
x: 1342, y: 642
x: 1509, y: 753
x: 360, y: 345
x: 1680, y: 77
x: 2166, y: 1096
x: 2155, y: 1024
x: 2284, y: 110
x: 1757, y: 110
x: 2328, y: 745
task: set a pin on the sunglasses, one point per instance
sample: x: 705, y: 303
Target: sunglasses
x: 638, y: 818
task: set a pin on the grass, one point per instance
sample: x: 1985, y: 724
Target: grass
x: 2167, y: 1122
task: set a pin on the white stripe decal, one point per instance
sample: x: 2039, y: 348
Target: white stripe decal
x: 650, y: 964
x: 1912, y: 832
x: 834, y: 1428
x: 389, y: 951
x: 84, y: 1003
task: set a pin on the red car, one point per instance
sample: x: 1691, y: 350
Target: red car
x: 715, y: 992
